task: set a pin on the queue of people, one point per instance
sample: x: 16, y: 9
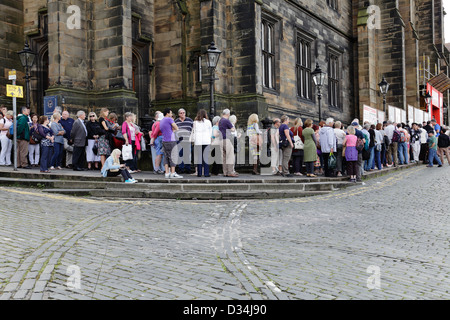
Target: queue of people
x: 57, y: 142
x: 294, y: 147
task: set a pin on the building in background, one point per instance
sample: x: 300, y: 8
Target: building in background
x: 145, y: 55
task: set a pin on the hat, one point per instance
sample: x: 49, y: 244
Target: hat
x: 355, y: 124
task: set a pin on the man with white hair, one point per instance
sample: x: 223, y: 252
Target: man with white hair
x: 391, y: 156
x: 67, y: 123
x: 78, y: 136
x: 184, y: 125
x: 226, y: 128
x: 327, y: 143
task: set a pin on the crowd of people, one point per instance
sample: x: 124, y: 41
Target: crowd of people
x: 355, y: 149
x: 82, y: 144
x: 293, y: 148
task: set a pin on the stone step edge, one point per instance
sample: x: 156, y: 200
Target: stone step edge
x: 162, y: 195
x: 60, y: 184
x: 71, y: 177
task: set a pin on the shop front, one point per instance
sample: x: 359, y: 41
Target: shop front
x: 436, y: 106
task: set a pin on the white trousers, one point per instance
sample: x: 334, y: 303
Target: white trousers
x: 5, y: 155
x: 416, y: 150
x: 34, y: 153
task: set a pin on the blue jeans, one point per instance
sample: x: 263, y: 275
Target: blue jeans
x: 377, y: 159
x: 432, y: 155
x: 201, y: 154
x: 57, y: 154
x: 368, y: 163
x: 154, y: 154
x: 46, y: 153
x: 403, y: 152
x: 185, y: 146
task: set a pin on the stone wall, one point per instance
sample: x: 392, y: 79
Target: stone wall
x: 330, y: 30
x: 96, y: 65
x: 90, y: 65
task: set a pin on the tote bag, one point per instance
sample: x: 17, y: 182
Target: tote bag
x: 127, y: 152
x: 298, y: 143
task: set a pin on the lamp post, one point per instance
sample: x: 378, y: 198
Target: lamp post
x: 212, y: 57
x: 384, y: 87
x: 319, y: 78
x: 27, y: 58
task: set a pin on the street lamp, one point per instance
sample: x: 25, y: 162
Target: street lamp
x: 27, y: 58
x: 384, y: 87
x: 319, y: 78
x: 212, y: 58
x: 427, y: 98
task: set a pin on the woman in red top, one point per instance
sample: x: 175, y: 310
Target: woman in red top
x: 156, y: 145
x: 297, y: 152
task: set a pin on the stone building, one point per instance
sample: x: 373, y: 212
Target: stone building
x: 145, y: 55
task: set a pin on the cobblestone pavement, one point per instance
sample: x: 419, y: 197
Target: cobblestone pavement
x: 386, y: 239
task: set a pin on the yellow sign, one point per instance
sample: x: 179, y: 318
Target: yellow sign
x: 14, y: 91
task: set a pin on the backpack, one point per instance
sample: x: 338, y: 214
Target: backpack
x: 359, y: 144
x: 10, y: 132
x: 402, y: 136
x: 366, y: 144
x: 396, y: 136
x: 35, y: 135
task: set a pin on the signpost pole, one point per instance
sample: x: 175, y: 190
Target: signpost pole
x: 13, y: 78
x: 14, y: 92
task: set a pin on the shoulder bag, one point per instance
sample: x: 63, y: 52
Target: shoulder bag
x: 298, y: 143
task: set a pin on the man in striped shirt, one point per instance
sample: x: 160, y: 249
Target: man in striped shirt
x: 185, y: 127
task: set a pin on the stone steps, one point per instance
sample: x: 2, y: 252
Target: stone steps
x: 190, y: 187
x: 183, y: 195
x: 173, y: 190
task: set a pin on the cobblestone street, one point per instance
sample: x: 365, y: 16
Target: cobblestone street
x: 386, y: 239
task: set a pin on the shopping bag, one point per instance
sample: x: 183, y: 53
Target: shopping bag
x: 332, y: 161
x: 127, y: 152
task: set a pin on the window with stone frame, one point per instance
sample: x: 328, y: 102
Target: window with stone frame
x: 303, y: 67
x: 268, y: 53
x: 136, y: 26
x: 333, y: 4
x: 43, y: 21
x: 333, y: 80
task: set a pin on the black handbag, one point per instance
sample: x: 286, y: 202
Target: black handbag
x: 386, y: 141
x: 95, y: 148
x: 365, y: 154
x: 284, y: 144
